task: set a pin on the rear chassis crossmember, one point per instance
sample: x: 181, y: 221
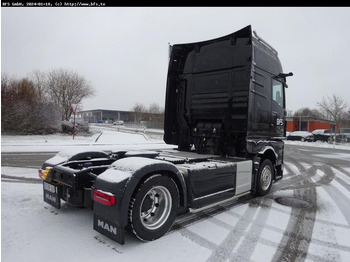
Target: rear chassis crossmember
x: 74, y: 180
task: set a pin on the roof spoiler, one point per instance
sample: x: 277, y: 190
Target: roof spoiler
x: 264, y: 42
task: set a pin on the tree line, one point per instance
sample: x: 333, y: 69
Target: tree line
x: 153, y: 113
x: 332, y: 108
x: 38, y: 103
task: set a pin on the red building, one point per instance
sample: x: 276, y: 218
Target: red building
x: 306, y: 123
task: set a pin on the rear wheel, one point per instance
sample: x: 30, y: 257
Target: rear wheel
x: 330, y: 140
x: 265, y: 176
x: 153, y: 208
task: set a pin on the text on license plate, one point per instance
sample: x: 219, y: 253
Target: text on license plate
x: 49, y: 187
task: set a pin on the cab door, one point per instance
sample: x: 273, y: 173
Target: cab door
x: 278, y: 112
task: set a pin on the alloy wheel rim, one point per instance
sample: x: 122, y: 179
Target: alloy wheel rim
x: 266, y: 177
x: 155, y: 207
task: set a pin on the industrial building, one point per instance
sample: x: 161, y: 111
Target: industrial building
x: 105, y: 116
x: 307, y: 123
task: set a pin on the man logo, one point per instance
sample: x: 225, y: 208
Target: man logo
x: 107, y: 227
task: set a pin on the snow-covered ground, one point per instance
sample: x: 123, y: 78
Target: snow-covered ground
x: 101, y: 138
x: 257, y: 230
x: 106, y: 137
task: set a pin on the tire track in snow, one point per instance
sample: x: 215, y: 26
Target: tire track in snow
x: 182, y: 224
x: 203, y: 242
x: 336, y: 194
x: 340, y: 200
x: 253, y: 235
x: 339, y: 171
x: 223, y: 251
x: 342, y: 170
x: 294, y: 180
x: 288, y: 252
x: 324, y: 243
x: 294, y: 246
x: 300, y: 222
x: 17, y: 179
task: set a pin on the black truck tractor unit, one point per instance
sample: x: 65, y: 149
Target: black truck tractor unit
x: 224, y: 114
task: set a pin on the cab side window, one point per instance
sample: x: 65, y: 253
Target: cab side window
x: 277, y: 92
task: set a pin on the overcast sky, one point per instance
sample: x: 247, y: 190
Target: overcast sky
x: 123, y: 51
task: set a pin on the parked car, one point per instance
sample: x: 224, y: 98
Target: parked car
x: 323, y: 135
x: 345, y: 132
x: 118, y: 122
x: 301, y: 136
x: 341, y: 138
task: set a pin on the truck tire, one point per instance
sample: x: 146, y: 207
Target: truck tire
x: 264, y: 178
x: 153, y: 208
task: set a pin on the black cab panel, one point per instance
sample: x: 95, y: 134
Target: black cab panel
x: 223, y: 92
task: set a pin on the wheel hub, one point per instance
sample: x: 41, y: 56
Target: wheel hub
x: 155, y: 207
x: 266, y: 177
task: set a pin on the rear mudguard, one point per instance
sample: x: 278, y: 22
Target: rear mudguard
x: 73, y: 155
x: 124, y: 177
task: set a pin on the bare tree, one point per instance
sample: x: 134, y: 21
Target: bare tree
x: 17, y: 99
x: 65, y: 88
x: 5, y: 84
x: 154, y: 108
x: 139, y: 107
x: 39, y: 80
x: 345, y: 121
x: 333, y: 107
x: 305, y: 111
x: 156, y: 113
x: 22, y: 109
x: 36, y: 104
x: 139, y: 110
x: 289, y: 113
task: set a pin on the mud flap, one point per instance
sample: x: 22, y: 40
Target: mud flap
x: 109, y: 229
x: 256, y: 165
x: 279, y: 172
x: 52, y: 194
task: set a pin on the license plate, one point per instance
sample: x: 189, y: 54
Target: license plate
x: 50, y: 188
x: 52, y: 194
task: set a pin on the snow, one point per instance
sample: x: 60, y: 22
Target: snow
x: 335, y: 156
x: 101, y: 139
x: 33, y: 231
x: 343, y: 146
x: 135, y: 163
x: 114, y: 175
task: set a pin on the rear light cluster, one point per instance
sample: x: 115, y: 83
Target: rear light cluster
x: 45, y: 174
x: 104, y: 198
